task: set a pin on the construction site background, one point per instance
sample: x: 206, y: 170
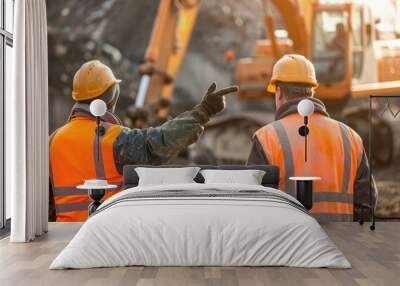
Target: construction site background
x: 118, y: 32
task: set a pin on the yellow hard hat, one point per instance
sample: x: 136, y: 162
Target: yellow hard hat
x: 92, y: 80
x: 292, y: 68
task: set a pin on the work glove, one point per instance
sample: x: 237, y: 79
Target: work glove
x: 214, y: 101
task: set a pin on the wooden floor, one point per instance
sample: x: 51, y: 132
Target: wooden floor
x: 375, y: 257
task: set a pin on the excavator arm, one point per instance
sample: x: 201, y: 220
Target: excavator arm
x: 297, y: 16
x: 168, y: 45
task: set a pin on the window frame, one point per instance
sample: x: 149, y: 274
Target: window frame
x: 6, y: 39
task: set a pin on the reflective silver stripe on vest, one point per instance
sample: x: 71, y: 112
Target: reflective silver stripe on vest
x: 288, y: 158
x: 69, y: 191
x: 333, y: 197
x: 333, y: 217
x: 99, y: 163
x: 63, y: 208
x: 347, y: 157
x: 73, y: 191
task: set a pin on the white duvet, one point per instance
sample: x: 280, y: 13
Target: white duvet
x: 207, y: 230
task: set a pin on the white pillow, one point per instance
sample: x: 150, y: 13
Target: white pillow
x: 166, y: 176
x: 247, y: 177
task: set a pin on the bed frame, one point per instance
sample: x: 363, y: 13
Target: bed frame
x: 270, y: 179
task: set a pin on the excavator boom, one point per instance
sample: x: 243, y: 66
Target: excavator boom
x: 169, y: 41
x: 297, y: 16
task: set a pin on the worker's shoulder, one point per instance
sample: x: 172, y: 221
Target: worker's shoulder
x: 53, y: 134
x: 58, y: 132
x: 264, y: 130
x: 115, y: 127
x: 351, y: 132
x: 57, y: 135
x: 125, y: 134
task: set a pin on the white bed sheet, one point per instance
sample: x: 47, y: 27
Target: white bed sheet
x: 191, y: 231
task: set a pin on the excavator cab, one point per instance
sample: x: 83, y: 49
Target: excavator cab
x: 330, y: 45
x: 340, y: 38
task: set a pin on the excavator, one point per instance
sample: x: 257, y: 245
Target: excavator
x: 352, y: 62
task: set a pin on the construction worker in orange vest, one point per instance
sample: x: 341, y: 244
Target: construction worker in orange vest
x: 72, y: 147
x: 335, y: 151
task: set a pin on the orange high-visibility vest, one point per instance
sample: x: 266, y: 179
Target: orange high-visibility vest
x: 334, y: 154
x: 73, y: 160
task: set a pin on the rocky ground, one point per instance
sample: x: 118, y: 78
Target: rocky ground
x: 388, y: 184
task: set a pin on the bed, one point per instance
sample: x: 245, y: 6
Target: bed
x: 201, y: 224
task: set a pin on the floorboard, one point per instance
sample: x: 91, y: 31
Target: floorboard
x: 374, y: 255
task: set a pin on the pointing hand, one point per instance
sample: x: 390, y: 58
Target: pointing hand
x: 214, y: 100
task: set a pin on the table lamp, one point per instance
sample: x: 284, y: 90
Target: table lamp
x: 305, y: 108
x: 98, y: 108
x: 97, y: 187
x: 304, y: 185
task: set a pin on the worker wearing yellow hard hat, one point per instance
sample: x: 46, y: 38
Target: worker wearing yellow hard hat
x: 336, y: 152
x: 294, y: 69
x: 92, y: 80
x: 72, y: 146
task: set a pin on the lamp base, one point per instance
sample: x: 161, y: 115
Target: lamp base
x: 304, y: 190
x: 303, y: 131
x: 304, y: 193
x: 96, y: 195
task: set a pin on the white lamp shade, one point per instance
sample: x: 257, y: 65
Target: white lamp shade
x: 98, y: 107
x: 305, y: 107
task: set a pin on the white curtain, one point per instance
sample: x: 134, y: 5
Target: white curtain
x: 27, y: 124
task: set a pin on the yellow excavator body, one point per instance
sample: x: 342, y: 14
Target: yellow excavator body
x: 365, y: 59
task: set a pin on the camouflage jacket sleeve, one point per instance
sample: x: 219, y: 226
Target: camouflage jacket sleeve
x: 361, y: 184
x: 154, y: 146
